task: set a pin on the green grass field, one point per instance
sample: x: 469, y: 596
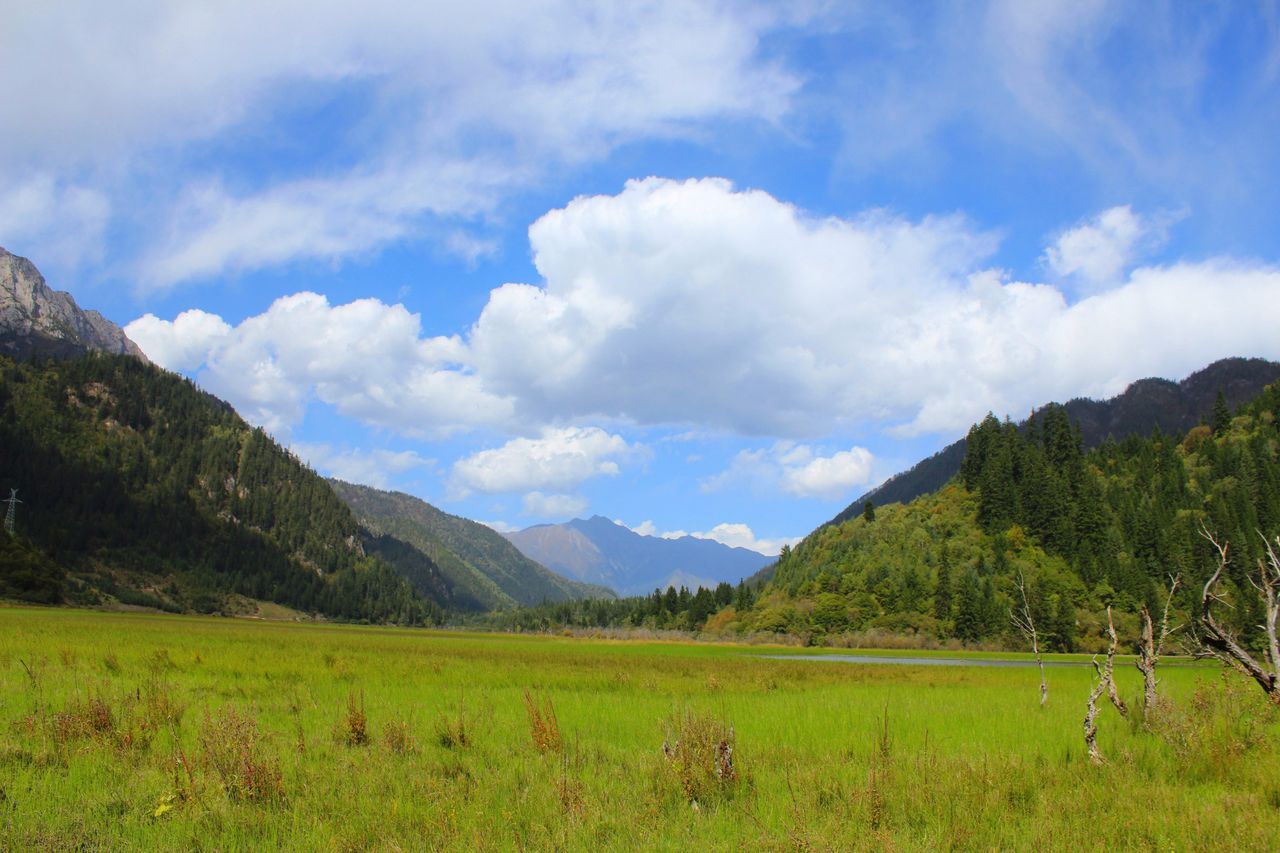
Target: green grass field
x: 155, y: 732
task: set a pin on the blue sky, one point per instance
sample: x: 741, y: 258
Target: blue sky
x: 714, y: 268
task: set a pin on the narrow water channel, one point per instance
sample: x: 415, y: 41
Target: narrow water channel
x: 923, y: 661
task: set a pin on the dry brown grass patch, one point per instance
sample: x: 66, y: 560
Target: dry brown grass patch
x: 544, y: 728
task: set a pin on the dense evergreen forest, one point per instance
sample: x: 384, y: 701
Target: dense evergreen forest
x: 137, y: 486
x: 1084, y: 530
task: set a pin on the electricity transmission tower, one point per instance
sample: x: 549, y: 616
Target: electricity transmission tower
x: 13, y: 502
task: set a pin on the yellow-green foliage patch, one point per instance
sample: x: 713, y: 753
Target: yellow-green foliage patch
x: 141, y: 731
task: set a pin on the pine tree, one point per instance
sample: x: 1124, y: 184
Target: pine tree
x: 998, y: 496
x: 1221, y: 421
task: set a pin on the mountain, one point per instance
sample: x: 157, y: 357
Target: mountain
x: 38, y: 321
x: 1146, y: 405
x: 1087, y: 531
x: 484, y: 570
x: 137, y: 488
x: 597, y: 550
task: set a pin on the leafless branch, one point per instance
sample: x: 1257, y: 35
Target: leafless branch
x: 1150, y: 648
x: 1221, y: 641
x: 1027, y: 625
x: 1091, y: 716
x: 1109, y: 670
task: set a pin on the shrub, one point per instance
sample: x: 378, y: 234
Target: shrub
x: 93, y: 719
x: 232, y: 745
x: 355, y: 725
x: 452, y: 731
x: 700, y: 757
x: 397, y: 738
x: 1222, y: 723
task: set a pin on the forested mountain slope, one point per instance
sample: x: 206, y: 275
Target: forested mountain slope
x: 1148, y: 404
x: 484, y: 570
x: 1085, y: 530
x: 137, y: 486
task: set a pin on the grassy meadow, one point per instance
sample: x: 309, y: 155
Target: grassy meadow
x: 166, y: 732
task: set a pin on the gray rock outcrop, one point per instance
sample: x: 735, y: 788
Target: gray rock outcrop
x: 37, y: 320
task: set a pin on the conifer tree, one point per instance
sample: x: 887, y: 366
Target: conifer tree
x: 1221, y: 421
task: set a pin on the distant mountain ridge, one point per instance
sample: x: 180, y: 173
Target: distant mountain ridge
x: 36, y: 320
x: 1173, y: 407
x: 600, y: 551
x: 483, y: 570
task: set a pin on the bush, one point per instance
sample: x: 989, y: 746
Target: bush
x: 700, y: 757
x: 1221, y: 724
x: 232, y: 745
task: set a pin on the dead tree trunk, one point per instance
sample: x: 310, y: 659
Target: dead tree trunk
x: 1106, y: 682
x: 1091, y: 716
x: 1151, y: 647
x: 1109, y: 673
x: 1220, y: 641
x: 1027, y: 625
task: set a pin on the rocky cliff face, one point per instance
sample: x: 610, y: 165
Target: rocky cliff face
x: 36, y: 320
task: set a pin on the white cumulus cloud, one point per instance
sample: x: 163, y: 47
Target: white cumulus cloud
x: 183, y: 343
x: 796, y: 469
x: 693, y: 304
x: 690, y: 302
x: 737, y: 535
x: 559, y: 459
x: 828, y: 477
x: 367, y: 359
x: 733, y: 534
x: 1097, y: 253
x: 500, y: 526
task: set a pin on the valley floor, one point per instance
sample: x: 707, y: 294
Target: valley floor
x: 146, y: 731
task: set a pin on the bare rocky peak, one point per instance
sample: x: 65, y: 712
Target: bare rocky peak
x: 36, y: 320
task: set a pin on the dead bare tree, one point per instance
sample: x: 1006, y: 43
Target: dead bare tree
x: 1151, y: 647
x: 1091, y: 716
x: 1221, y: 643
x: 1106, y: 682
x: 1110, y: 670
x: 1027, y: 625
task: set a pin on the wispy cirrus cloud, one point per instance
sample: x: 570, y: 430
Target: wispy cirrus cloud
x: 437, y: 113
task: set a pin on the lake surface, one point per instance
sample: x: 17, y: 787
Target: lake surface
x: 923, y: 661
